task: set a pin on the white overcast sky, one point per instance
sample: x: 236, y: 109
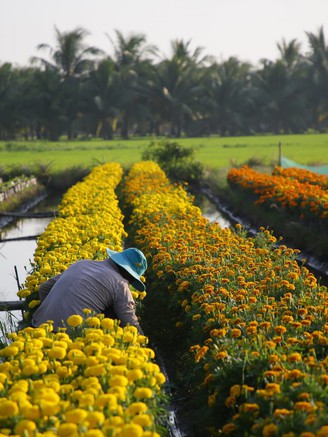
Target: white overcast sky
x: 248, y: 29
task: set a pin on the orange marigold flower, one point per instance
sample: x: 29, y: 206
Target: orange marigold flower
x: 294, y: 357
x: 201, y: 353
x: 235, y: 333
x: 249, y: 408
x: 269, y: 430
x: 280, y: 329
x: 229, y: 428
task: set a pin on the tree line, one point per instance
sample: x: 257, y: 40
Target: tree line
x: 79, y: 90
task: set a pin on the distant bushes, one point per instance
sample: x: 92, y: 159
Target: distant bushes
x: 177, y: 161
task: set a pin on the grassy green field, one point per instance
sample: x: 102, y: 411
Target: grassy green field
x: 213, y: 152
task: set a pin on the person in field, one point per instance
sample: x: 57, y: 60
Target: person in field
x: 101, y: 286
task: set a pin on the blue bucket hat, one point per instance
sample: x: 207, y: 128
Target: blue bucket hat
x: 133, y: 261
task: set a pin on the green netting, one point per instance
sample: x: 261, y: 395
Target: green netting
x: 320, y: 169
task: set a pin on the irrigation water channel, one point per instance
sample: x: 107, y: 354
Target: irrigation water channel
x: 16, y: 254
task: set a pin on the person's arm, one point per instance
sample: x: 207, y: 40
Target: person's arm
x: 125, y: 308
x: 45, y: 288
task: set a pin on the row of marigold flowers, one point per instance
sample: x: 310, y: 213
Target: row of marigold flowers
x: 298, y: 196
x: 95, y: 379
x: 254, y: 319
x: 302, y: 175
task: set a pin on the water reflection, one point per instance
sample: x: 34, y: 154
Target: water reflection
x: 18, y: 253
x: 16, y: 256
x: 210, y: 212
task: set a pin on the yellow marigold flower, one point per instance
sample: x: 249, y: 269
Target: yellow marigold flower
x: 94, y: 433
x: 108, y: 340
x: 93, y: 349
x: 87, y: 311
x: 23, y: 293
x: 86, y: 400
x: 142, y: 339
x: 136, y: 408
x: 34, y: 303
x: 142, y: 295
x: 74, y: 320
x: 118, y: 381
x: 77, y: 415
x: 9, y: 351
x: 97, y: 370
x: 95, y: 419
x: 107, y: 323
x: 308, y: 434
x: 93, y: 321
x: 25, y: 428
x: 131, y: 430
x: 160, y: 378
x: 143, y: 420
x: 8, y: 408
x: 129, y: 337
x: 57, y: 353
x: 31, y: 412
x: 116, y: 421
x: 106, y: 400
x: 67, y: 429
x: 143, y: 393
x: 134, y: 374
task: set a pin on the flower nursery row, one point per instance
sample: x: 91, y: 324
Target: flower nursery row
x: 96, y: 378
x: 254, y: 320
x: 306, y: 200
x: 302, y: 175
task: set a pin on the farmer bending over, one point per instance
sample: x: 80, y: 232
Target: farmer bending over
x: 101, y: 286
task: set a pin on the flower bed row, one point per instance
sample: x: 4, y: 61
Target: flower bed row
x: 254, y: 319
x: 303, y: 199
x: 302, y: 175
x: 97, y: 379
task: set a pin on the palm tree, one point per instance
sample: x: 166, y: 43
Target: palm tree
x: 290, y: 53
x: 70, y: 60
x: 70, y: 57
x: 229, y: 102
x: 280, y: 98
x: 132, y: 57
x: 177, y: 87
x: 318, y: 77
x: 101, y: 94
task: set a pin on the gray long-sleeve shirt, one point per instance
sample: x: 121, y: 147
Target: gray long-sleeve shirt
x: 97, y: 285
